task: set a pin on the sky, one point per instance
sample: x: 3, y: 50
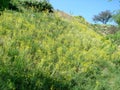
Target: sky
x: 85, y: 8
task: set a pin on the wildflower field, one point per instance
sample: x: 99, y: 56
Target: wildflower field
x: 42, y: 51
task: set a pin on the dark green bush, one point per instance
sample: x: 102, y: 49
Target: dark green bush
x: 37, y: 6
x: 9, y: 4
x: 4, y: 4
x: 19, y: 5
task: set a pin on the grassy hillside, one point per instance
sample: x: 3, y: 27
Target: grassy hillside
x: 41, y: 51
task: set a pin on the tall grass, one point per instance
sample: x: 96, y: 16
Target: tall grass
x: 40, y: 51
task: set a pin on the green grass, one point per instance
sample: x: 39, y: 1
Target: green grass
x: 115, y: 38
x: 41, y: 51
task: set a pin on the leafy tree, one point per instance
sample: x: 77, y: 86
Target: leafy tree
x: 103, y: 17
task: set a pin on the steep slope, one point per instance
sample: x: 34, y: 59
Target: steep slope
x: 40, y: 51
